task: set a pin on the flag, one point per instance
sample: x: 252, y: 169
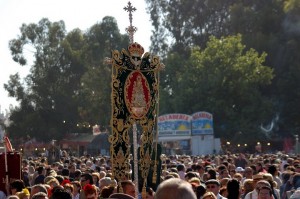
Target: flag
x: 7, y: 144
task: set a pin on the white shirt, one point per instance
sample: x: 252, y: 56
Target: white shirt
x: 254, y: 195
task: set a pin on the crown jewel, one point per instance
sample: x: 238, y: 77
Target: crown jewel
x: 136, y: 49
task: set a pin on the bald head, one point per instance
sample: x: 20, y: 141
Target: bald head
x: 175, y: 188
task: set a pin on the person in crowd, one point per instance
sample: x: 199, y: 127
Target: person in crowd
x: 213, y: 185
x: 39, y: 179
x: 103, y: 182
x: 194, y: 180
x: 38, y: 188
x: 90, y: 191
x: 72, y: 169
x: 68, y: 187
x: 223, y: 191
x: 16, y: 186
x: 128, y: 187
x: 260, y: 168
x: 254, y: 194
x: 96, y: 178
x: 274, y: 171
x: 174, y: 188
x: 85, y: 179
x: 248, y: 186
x: 223, y: 182
x: 268, y: 177
x: 60, y: 193
x: 240, y: 161
x: 40, y: 195
x: 212, y: 174
x: 232, y: 172
x: 233, y: 189
x: 76, y: 190
x: 24, y: 194
x: 248, y: 174
x: 107, y: 191
x: 224, y: 174
x: 181, y: 170
x: 265, y: 192
x: 200, y: 191
x: 53, y: 183
x: 295, y: 182
x: 286, y: 184
x: 209, y: 195
x: 200, y: 170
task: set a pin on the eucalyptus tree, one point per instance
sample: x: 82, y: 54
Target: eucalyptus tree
x: 68, y: 87
x: 95, y: 92
x: 46, y: 94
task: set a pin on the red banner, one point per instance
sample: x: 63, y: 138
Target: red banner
x: 13, y: 166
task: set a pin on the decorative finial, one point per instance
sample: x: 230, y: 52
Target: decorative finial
x: 130, y: 29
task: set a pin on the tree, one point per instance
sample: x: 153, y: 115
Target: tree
x: 266, y: 26
x: 223, y: 79
x: 68, y: 87
x: 95, y: 92
x: 46, y: 97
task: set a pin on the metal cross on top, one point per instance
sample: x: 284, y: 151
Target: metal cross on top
x: 130, y: 29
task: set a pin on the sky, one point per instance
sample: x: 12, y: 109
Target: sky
x: 80, y: 14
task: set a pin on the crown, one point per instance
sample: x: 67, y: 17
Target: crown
x: 136, y: 49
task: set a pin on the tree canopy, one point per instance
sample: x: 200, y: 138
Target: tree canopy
x: 236, y: 59
x: 67, y: 89
x: 267, y: 26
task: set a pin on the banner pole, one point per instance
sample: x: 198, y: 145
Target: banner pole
x: 6, y: 167
x: 135, y: 161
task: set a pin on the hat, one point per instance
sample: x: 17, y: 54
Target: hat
x: 212, y: 181
x: 239, y: 169
x: 257, y: 177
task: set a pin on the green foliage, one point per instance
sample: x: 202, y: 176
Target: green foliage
x: 223, y: 79
x: 216, y: 60
x: 68, y: 87
x: 270, y: 27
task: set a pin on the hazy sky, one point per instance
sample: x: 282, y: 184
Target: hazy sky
x: 75, y: 13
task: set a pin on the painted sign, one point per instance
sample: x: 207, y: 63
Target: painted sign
x: 202, y: 123
x: 174, y: 125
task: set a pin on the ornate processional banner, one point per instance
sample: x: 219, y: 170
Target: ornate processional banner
x: 134, y: 100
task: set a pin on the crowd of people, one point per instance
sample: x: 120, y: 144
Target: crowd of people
x: 232, y: 176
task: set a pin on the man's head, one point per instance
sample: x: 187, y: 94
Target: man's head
x: 262, y: 183
x: 213, y: 186
x: 128, y: 187
x: 86, y: 179
x: 257, y: 178
x: 38, y: 188
x: 248, y: 173
x: 40, y: 195
x: 174, y: 188
x: 265, y: 192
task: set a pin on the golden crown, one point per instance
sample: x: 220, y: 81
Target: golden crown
x: 136, y: 49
